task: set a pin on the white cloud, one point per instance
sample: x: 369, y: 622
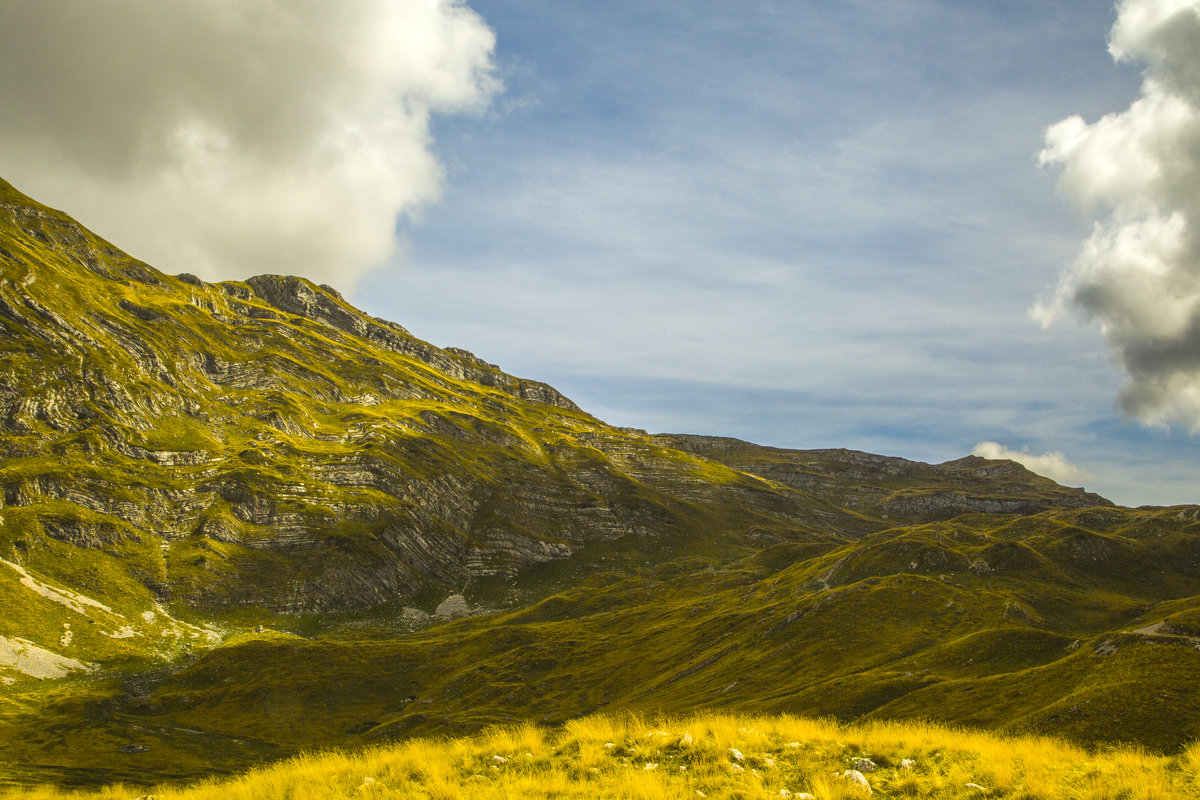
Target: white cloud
x: 232, y: 137
x: 1052, y: 465
x: 1138, y: 171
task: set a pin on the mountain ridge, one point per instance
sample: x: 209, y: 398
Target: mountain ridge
x: 244, y: 360
x: 230, y: 515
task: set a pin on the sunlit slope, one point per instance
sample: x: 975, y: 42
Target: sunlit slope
x: 708, y: 756
x: 1001, y: 623
x: 264, y: 444
x: 230, y: 509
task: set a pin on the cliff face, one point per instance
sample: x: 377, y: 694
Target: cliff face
x: 265, y: 443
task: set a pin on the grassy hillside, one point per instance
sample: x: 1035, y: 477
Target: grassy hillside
x: 249, y: 448
x: 715, y: 756
x: 244, y: 521
x: 994, y: 622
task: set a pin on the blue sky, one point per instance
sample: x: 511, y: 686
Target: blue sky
x: 804, y: 224
x: 801, y: 224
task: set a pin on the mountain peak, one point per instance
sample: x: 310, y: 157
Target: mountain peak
x: 241, y: 510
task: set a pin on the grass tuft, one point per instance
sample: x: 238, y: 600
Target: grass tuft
x: 624, y: 757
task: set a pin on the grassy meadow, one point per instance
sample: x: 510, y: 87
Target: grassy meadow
x: 702, y: 756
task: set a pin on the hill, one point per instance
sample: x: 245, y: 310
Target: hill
x: 244, y: 520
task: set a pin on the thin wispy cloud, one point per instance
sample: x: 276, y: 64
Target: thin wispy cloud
x: 1138, y: 171
x: 234, y: 138
x: 805, y: 225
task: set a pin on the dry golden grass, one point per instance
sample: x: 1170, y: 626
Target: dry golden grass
x: 715, y: 756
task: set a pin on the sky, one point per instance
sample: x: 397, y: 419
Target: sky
x: 920, y: 228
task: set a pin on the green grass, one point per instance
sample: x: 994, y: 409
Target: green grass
x: 756, y: 635
x: 208, y: 454
x: 706, y: 756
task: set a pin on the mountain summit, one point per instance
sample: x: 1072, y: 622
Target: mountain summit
x: 264, y: 443
x: 244, y: 519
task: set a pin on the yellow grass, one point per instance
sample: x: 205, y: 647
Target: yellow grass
x: 715, y: 756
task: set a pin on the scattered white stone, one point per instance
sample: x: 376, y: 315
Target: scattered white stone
x: 72, y: 600
x: 148, y: 616
x: 792, y: 744
x: 784, y: 793
x: 67, y: 636
x: 368, y: 780
x: 770, y: 762
x: 649, y: 767
x: 686, y: 741
x: 7, y: 681
x: 908, y: 763
x: 123, y: 632
x: 609, y: 745
x: 736, y: 755
x: 976, y: 786
x: 499, y: 759
x: 528, y: 756
x: 737, y: 768
x: 37, y: 662
x: 854, y: 776
x: 863, y: 765
x: 682, y: 768
x: 804, y: 796
x: 700, y: 793
x: 453, y: 607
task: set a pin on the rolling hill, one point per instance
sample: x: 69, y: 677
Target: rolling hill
x: 245, y: 520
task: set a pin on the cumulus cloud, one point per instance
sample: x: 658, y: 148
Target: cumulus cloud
x: 1051, y: 465
x: 233, y: 137
x: 1138, y: 173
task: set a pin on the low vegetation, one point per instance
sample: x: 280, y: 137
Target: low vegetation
x: 703, y: 756
x: 233, y: 518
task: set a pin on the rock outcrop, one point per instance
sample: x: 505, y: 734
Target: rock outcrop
x: 264, y: 443
x: 895, y: 488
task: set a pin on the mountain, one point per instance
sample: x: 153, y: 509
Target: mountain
x: 245, y: 519
x: 265, y: 444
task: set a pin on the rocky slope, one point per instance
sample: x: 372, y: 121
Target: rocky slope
x: 264, y: 443
x: 894, y: 489
x: 236, y: 519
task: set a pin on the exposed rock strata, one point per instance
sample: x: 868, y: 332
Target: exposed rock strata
x: 265, y: 443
